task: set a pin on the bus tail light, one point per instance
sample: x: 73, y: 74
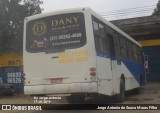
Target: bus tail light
x: 93, y: 71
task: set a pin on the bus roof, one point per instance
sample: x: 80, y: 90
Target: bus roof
x: 83, y: 9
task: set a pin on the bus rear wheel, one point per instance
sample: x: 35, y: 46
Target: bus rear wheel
x: 76, y: 98
x: 121, y: 96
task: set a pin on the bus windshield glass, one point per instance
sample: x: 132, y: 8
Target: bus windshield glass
x: 56, y: 33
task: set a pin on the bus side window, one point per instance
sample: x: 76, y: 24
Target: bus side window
x: 96, y: 36
x: 95, y: 28
x: 123, y: 47
x: 129, y: 50
x: 134, y: 55
x: 101, y: 31
x: 111, y: 44
x: 139, y: 55
x: 103, y: 39
x: 100, y: 37
x: 117, y: 46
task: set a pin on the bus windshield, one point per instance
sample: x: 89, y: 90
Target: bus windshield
x: 56, y: 33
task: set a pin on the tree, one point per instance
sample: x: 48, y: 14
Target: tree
x: 12, y: 14
x: 157, y: 10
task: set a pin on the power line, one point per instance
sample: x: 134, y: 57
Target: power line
x: 144, y: 7
x: 123, y: 13
x: 137, y: 11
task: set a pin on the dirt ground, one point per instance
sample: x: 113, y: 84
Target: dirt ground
x: 149, y: 94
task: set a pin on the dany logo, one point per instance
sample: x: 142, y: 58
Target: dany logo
x: 39, y: 28
x: 65, y: 21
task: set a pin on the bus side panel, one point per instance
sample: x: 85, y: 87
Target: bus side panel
x: 130, y: 79
x: 132, y: 76
x: 116, y: 71
x: 133, y: 72
x: 104, y: 72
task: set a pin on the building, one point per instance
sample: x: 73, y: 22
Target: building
x: 146, y: 30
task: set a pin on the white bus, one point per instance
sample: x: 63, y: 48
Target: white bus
x: 76, y: 52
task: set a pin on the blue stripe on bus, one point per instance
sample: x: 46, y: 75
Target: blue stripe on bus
x: 135, y: 69
x: 103, y: 55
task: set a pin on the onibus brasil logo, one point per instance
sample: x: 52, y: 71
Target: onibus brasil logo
x: 39, y: 28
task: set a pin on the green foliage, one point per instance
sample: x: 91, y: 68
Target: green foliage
x: 12, y: 14
x: 157, y: 10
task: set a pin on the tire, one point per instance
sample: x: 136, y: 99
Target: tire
x: 121, y: 96
x: 76, y: 98
x: 137, y: 91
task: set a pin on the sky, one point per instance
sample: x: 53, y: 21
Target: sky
x: 113, y: 9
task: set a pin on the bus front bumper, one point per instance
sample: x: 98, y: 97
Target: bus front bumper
x: 61, y: 88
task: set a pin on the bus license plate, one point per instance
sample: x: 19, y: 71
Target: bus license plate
x: 56, y: 80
